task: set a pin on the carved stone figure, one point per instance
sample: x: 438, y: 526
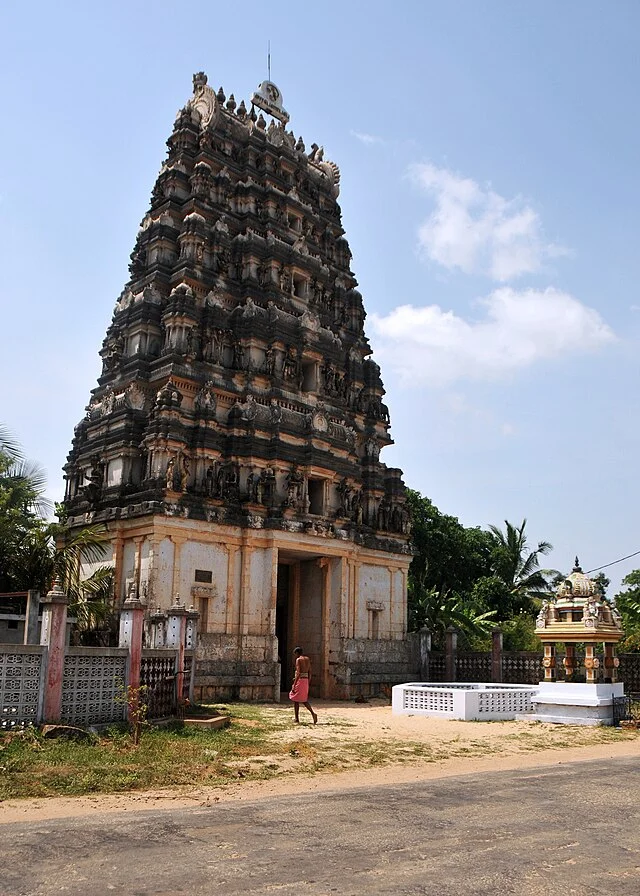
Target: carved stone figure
x: 210, y: 481
x: 250, y: 309
x: 276, y: 412
x: 184, y: 474
x: 171, y: 472
x: 295, y: 482
x: 268, y: 480
x: 290, y: 365
x: 238, y: 355
x: 270, y: 361
x: 249, y: 408
x: 251, y: 485
x: 206, y: 399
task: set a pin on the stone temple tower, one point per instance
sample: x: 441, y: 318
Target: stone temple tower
x: 232, y: 444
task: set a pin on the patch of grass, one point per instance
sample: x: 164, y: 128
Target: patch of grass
x: 33, y: 766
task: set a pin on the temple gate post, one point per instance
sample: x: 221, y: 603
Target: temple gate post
x: 131, y: 631
x: 176, y: 635
x: 425, y: 649
x: 451, y: 645
x: 31, y: 620
x: 53, y: 636
x: 496, y: 655
x: 190, y: 640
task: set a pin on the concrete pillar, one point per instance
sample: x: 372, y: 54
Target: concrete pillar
x: 53, y: 635
x: 190, y: 643
x: 549, y: 662
x: 569, y: 661
x: 117, y: 560
x: 157, y: 621
x: 31, y: 619
x: 611, y: 662
x: 131, y: 629
x: 496, y: 655
x: 451, y: 646
x: 425, y: 649
x: 591, y: 664
x: 176, y: 634
x: 323, y: 563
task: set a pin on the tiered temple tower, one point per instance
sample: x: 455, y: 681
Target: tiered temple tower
x: 232, y: 444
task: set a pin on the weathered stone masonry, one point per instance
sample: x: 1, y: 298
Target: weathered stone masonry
x: 232, y: 443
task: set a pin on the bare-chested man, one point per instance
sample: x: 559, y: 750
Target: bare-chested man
x: 300, y: 689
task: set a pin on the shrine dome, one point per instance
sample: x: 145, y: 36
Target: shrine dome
x: 577, y: 585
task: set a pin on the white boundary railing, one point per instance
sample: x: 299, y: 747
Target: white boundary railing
x: 457, y: 700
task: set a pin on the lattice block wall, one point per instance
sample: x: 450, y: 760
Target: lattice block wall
x: 21, y: 671
x: 93, y: 686
x: 501, y: 702
x: 462, y: 701
x: 437, y: 666
x: 522, y: 667
x: 433, y: 700
x: 473, y: 666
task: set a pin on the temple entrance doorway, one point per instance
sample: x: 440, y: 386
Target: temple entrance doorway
x: 300, y: 611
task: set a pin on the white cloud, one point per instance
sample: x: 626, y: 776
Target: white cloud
x: 427, y: 345
x: 478, y: 231
x: 367, y: 139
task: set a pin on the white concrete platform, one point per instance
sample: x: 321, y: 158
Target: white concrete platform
x: 462, y: 700
x: 566, y: 703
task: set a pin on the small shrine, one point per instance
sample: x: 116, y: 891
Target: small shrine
x: 579, y: 614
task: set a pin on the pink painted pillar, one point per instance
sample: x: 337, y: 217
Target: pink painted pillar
x: 54, y: 635
x: 176, y: 636
x: 131, y: 628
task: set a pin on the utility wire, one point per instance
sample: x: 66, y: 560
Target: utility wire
x: 606, y: 565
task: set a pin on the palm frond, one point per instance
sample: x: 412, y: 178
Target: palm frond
x: 9, y: 444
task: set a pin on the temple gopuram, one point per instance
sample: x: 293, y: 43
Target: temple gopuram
x: 232, y: 444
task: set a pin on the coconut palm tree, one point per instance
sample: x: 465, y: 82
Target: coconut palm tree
x: 519, y: 567
x: 34, y: 552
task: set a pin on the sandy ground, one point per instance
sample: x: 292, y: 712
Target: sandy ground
x: 478, y: 747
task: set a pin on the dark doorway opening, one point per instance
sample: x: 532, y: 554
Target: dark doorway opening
x: 282, y: 626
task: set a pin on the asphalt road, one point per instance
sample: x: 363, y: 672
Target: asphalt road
x: 571, y: 829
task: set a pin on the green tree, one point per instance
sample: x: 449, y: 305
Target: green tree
x: 34, y: 552
x: 22, y: 505
x: 448, y: 557
x: 519, y: 569
x: 628, y: 604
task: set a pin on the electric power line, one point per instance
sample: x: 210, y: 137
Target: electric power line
x: 606, y: 565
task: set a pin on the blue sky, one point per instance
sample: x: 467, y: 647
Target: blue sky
x: 490, y: 190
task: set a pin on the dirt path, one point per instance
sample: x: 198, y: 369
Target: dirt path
x: 455, y: 748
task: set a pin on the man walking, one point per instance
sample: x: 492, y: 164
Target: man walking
x: 300, y: 689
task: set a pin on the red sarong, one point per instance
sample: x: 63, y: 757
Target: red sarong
x: 299, y: 692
